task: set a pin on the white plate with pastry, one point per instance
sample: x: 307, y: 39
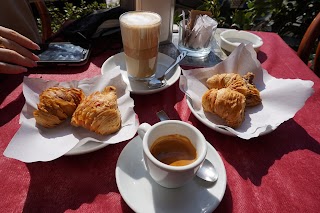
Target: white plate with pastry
x: 143, y: 194
x: 139, y: 87
x: 88, y: 129
x: 73, y: 103
x: 268, y: 101
x: 225, y: 102
x: 221, y: 103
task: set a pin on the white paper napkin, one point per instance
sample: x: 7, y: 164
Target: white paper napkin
x: 281, y: 98
x: 35, y: 143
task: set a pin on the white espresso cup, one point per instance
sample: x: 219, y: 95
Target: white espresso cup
x: 170, y: 176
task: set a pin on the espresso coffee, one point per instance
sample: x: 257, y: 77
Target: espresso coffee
x: 174, y: 150
x: 140, y: 33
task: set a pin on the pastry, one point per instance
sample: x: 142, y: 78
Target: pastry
x: 226, y: 103
x: 224, y: 80
x: 99, y: 112
x: 236, y: 82
x: 56, y: 104
x: 253, y: 94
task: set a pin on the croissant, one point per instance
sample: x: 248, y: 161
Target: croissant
x: 56, y: 104
x: 226, y: 103
x: 234, y: 81
x: 224, y: 80
x: 99, y: 112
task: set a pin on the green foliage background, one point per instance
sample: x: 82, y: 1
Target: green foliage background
x: 289, y: 19
x: 64, y: 10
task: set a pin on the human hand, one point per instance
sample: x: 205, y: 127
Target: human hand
x: 15, y: 54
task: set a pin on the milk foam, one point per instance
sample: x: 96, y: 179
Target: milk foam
x: 140, y: 18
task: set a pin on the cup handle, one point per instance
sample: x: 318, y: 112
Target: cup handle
x: 142, y: 129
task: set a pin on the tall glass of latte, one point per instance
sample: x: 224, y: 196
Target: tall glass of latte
x: 140, y: 31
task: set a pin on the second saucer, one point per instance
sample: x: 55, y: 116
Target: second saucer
x: 139, y: 87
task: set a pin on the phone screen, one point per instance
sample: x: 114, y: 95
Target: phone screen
x: 61, y: 53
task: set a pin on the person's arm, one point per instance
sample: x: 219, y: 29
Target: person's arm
x: 15, y: 54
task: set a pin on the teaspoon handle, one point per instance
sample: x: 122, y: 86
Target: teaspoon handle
x: 179, y: 58
x: 162, y: 115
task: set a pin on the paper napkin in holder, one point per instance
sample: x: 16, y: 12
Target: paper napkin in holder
x: 201, y: 34
x: 281, y: 98
x: 196, y: 33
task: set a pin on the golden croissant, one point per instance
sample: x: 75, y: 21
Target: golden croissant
x: 224, y: 80
x: 226, y: 103
x: 234, y: 81
x: 56, y: 104
x: 99, y: 112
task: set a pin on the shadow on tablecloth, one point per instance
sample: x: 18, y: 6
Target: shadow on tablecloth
x: 254, y: 158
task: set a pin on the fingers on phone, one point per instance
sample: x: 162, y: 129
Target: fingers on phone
x: 11, y: 69
x: 13, y: 57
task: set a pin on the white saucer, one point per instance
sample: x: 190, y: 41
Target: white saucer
x: 138, y: 87
x: 142, y: 194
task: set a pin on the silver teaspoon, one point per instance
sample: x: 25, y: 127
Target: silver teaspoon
x: 206, y: 171
x: 158, y: 80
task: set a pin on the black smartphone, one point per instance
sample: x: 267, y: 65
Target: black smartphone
x: 63, y: 54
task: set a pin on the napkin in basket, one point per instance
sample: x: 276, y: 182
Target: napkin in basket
x: 34, y: 143
x: 281, y: 98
